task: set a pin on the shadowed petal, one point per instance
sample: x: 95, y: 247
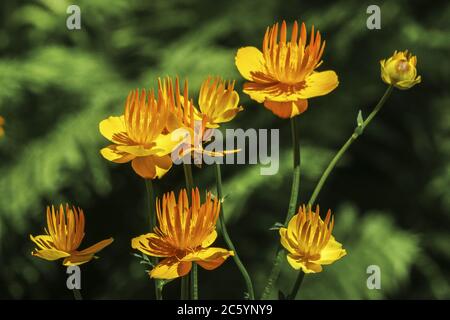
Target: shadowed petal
x: 171, y: 268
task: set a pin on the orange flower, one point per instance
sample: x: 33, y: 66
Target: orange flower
x: 283, y: 75
x: 184, y: 235
x: 63, y: 237
x: 140, y: 135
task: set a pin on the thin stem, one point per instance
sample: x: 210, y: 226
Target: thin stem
x: 194, y: 272
x: 153, y: 260
x: 296, y: 286
x: 358, y: 131
x: 276, y: 267
x: 185, y: 287
x: 77, y: 294
x: 194, y: 281
x: 223, y: 230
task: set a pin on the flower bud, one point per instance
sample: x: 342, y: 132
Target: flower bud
x: 400, y: 70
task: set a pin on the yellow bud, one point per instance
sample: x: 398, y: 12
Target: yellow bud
x: 400, y: 70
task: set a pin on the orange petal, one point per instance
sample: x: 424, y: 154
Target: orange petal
x: 96, y: 247
x: 287, y: 109
x: 145, y: 167
x: 76, y: 259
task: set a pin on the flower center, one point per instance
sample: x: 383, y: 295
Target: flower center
x: 402, y: 66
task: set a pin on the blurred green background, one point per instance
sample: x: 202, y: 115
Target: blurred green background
x: 389, y: 194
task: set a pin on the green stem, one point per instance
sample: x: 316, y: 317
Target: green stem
x: 153, y: 260
x: 194, y: 272
x: 223, y: 230
x: 358, y: 131
x: 77, y: 294
x: 185, y: 287
x: 296, y: 286
x: 276, y: 267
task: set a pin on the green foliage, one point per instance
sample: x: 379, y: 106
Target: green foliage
x: 390, y: 190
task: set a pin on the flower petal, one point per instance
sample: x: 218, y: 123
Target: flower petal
x: 43, y: 241
x: 96, y: 247
x: 112, y: 126
x: 333, y: 251
x: 50, y: 254
x: 307, y: 267
x: 153, y: 245
x: 209, y: 239
x: 286, y: 242
x: 167, y: 143
x: 137, y: 150
x: 76, y: 259
x: 145, y: 167
x: 112, y: 154
x: 248, y: 60
x: 319, y: 84
x: 171, y: 268
x: 209, y: 258
x: 287, y: 109
x: 163, y: 164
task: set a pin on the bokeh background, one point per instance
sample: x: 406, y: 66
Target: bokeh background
x: 390, y: 193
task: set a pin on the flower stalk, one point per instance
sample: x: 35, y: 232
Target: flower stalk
x: 297, y: 284
x: 223, y: 230
x: 194, y: 273
x: 276, y: 267
x: 358, y: 131
x: 153, y: 260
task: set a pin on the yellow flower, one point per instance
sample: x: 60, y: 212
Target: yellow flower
x: 218, y: 102
x: 400, y: 70
x: 283, y: 75
x: 140, y: 135
x: 309, y: 241
x: 63, y: 237
x: 2, y: 122
x: 184, y: 235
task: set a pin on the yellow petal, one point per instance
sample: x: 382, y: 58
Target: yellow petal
x: 319, y: 84
x: 43, y: 241
x: 112, y: 154
x: 112, y: 126
x: 287, y: 109
x: 50, y: 254
x: 209, y: 239
x: 145, y: 167
x: 167, y: 143
x: 209, y: 258
x: 248, y: 60
x: 152, y: 245
x: 307, y: 267
x: 171, y: 268
x: 333, y: 251
x: 286, y: 242
x: 137, y: 150
x: 96, y: 247
x: 76, y: 259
